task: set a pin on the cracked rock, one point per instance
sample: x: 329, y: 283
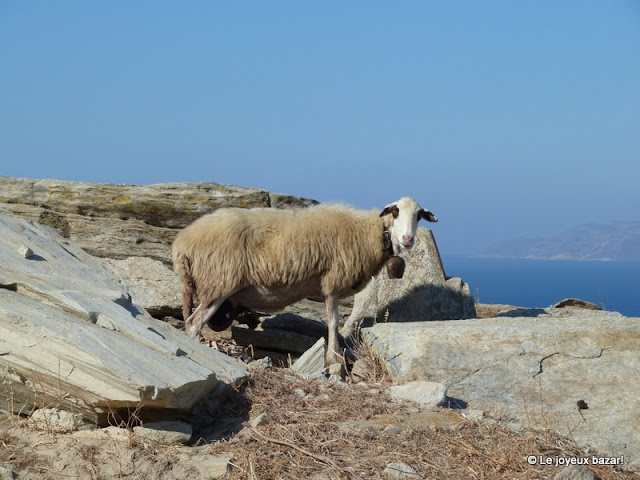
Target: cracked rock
x: 70, y: 337
x: 533, y: 368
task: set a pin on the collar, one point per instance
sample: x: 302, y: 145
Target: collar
x: 386, y: 238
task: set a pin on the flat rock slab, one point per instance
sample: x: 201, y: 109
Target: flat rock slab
x: 70, y: 337
x: 534, y: 367
x: 432, y: 394
x: 151, y: 284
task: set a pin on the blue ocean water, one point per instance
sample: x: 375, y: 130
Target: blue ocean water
x: 615, y: 286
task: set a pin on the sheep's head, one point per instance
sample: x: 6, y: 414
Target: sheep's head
x: 402, y: 222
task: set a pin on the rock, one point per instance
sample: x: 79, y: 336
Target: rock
x: 259, y: 420
x: 151, y: 284
x: 281, y: 200
x: 278, y: 340
x: 265, y: 364
x: 321, y: 476
x: 431, y: 394
x: 534, y: 368
x: 401, y: 470
x: 576, y: 303
x: 25, y: 252
x: 165, y: 433
x: 7, y: 473
x: 209, y: 467
x: 360, y: 371
x: 335, y: 369
x: 575, y: 472
x: 121, y: 221
x: 71, y: 338
x: 424, y: 292
x: 56, y: 420
x: 473, y: 414
x: 311, y: 361
x: 290, y: 322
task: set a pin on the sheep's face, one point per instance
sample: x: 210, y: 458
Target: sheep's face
x: 403, y: 222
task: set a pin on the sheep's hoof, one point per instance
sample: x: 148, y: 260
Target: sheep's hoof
x: 395, y: 267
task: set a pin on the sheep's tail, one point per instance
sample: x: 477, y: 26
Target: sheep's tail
x: 182, y: 267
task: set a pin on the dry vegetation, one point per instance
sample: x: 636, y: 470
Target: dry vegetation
x: 331, y: 430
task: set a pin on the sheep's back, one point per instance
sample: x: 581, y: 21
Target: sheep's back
x: 232, y: 248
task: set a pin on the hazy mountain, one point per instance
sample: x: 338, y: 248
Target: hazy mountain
x: 603, y: 241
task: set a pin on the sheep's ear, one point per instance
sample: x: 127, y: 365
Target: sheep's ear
x: 393, y: 209
x: 427, y: 215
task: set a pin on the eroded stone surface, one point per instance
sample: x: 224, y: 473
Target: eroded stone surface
x: 534, y: 367
x: 71, y: 338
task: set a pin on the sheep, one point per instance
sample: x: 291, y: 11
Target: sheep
x: 264, y: 259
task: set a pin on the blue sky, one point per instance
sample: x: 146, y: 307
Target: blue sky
x: 504, y: 118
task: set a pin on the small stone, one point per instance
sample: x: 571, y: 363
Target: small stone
x: 300, y: 393
x: 431, y: 394
x: 575, y: 472
x: 209, y: 466
x: 401, y: 470
x: 359, y: 371
x: 320, y: 476
x: 25, y: 252
x: 473, y: 414
x: 7, y: 473
x: 165, y: 433
x: 577, y: 303
x: 261, y: 419
x: 311, y: 361
x: 335, y: 369
x: 264, y: 363
x: 57, y: 420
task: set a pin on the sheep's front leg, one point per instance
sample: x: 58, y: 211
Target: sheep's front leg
x: 201, y: 315
x: 333, y: 354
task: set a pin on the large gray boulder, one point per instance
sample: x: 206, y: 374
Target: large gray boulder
x: 70, y: 338
x: 121, y: 221
x: 533, y: 366
x: 423, y: 293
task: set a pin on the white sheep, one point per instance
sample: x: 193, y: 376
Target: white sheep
x: 265, y: 259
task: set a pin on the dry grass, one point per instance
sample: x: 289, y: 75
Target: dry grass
x: 335, y: 430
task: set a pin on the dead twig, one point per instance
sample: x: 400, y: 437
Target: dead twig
x: 321, y: 458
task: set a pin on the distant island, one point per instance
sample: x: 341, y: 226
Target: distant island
x: 611, y: 241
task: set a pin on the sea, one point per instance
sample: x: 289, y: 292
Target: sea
x: 615, y: 286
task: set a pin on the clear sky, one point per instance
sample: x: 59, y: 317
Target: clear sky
x: 504, y: 118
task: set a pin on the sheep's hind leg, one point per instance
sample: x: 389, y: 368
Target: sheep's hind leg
x: 333, y: 354
x: 201, y: 315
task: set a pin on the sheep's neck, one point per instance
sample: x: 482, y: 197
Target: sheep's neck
x: 386, y: 239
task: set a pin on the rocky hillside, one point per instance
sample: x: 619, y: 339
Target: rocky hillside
x: 79, y: 349
x: 618, y: 241
x: 121, y: 221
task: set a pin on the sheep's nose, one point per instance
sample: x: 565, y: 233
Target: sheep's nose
x: 407, y: 240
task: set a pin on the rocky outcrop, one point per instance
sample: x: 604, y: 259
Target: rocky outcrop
x: 574, y: 371
x: 121, y: 221
x: 423, y: 293
x: 151, y: 284
x: 71, y: 339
